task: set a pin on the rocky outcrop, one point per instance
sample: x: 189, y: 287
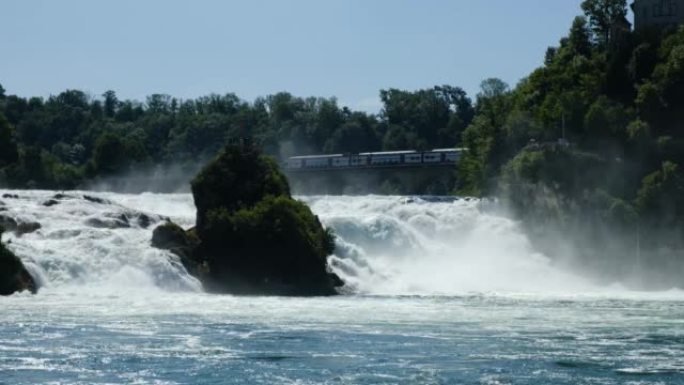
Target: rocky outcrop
x: 27, y: 227
x: 8, y: 223
x: 122, y: 220
x: 170, y: 236
x: 145, y: 220
x: 93, y: 199
x: 255, y: 238
x: 110, y: 221
x: 50, y: 202
x: 13, y: 274
x: 62, y: 196
x: 20, y: 228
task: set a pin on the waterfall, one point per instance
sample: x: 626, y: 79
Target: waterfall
x: 386, y: 245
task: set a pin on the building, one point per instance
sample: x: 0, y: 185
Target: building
x: 657, y: 13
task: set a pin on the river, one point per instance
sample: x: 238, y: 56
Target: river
x: 439, y: 291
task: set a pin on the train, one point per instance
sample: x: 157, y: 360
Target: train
x: 375, y: 159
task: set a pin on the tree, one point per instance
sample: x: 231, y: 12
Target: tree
x: 519, y: 129
x: 72, y: 98
x: 352, y: 137
x: 109, y: 156
x: 129, y: 111
x: 642, y: 62
x: 428, y: 115
x: 579, y: 38
x: 492, y: 88
x: 283, y: 106
x: 459, y: 101
x: 15, y: 108
x: 471, y: 169
x: 485, y: 139
x: 604, y: 16
x: 661, y: 196
x: 158, y: 104
x: 110, y: 103
x: 606, y: 119
x: 550, y: 55
x: 8, y: 147
x: 399, y: 138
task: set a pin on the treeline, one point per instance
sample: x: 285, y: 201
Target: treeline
x: 68, y: 139
x: 613, y: 185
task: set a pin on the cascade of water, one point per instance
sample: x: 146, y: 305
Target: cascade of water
x: 400, y: 245
x: 92, y: 241
x: 385, y: 244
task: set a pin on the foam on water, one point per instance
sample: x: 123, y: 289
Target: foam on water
x: 93, y: 243
x: 399, y: 245
x: 386, y: 245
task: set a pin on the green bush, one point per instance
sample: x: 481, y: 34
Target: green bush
x: 239, y: 177
x: 254, y: 236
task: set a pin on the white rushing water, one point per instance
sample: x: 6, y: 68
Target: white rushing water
x: 101, y: 244
x: 429, y: 246
x: 386, y: 245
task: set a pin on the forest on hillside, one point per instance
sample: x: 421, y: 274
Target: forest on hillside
x: 612, y: 187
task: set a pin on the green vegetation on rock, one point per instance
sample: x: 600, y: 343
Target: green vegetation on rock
x: 252, y: 237
x: 255, y: 237
x: 238, y: 178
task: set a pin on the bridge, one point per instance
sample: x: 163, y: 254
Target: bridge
x: 394, y: 172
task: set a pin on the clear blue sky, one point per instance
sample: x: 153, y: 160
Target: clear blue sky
x: 345, y: 48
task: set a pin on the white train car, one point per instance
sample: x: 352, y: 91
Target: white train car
x: 448, y: 155
x: 413, y: 158
x: 432, y: 157
x: 294, y: 162
x: 387, y: 157
x: 359, y: 160
x: 340, y: 161
x: 312, y: 161
x: 365, y: 159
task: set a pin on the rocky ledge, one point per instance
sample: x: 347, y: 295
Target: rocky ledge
x: 13, y: 274
x: 252, y: 237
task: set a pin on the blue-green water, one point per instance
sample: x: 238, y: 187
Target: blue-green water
x: 202, y: 339
x: 438, y: 292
